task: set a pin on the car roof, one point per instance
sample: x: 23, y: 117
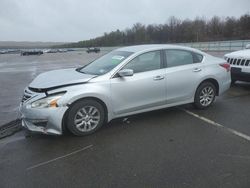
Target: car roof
x: 140, y: 48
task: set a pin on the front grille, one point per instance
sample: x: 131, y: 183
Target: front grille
x: 27, y: 95
x: 238, y: 61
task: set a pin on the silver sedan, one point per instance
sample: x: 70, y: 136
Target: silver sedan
x: 126, y: 81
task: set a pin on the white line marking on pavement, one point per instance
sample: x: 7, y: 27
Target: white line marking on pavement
x: 235, y: 156
x: 61, y: 157
x: 246, y: 137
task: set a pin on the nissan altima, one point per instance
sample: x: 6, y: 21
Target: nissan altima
x: 126, y: 81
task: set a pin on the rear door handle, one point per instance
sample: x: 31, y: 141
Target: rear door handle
x: 197, y: 70
x: 159, y: 77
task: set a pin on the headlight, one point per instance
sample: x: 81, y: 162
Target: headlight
x: 47, y: 102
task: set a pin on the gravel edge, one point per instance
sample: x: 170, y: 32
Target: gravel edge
x: 10, y: 128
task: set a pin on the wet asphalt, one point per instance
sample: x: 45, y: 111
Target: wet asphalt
x: 164, y: 148
x: 16, y: 72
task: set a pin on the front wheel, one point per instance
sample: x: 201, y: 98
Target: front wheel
x: 205, y: 95
x: 85, y: 117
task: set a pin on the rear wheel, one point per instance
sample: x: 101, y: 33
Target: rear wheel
x: 85, y: 117
x: 205, y: 95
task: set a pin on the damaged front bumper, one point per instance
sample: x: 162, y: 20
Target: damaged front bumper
x: 44, y: 120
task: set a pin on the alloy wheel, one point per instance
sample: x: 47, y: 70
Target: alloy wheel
x: 87, y: 118
x: 207, y: 96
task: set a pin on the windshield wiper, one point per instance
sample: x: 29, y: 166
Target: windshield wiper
x: 79, y: 70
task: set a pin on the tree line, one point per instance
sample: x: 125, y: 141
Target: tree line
x: 175, y: 31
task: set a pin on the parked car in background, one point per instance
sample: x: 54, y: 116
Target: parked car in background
x: 3, y: 51
x: 248, y: 46
x: 52, y: 51
x: 240, y: 65
x: 55, y: 50
x: 9, y: 51
x: 126, y: 81
x: 31, y: 52
x: 96, y: 50
x: 62, y: 50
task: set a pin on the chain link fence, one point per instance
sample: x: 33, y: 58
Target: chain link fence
x: 233, y: 45
x: 218, y: 46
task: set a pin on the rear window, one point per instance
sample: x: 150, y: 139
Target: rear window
x: 178, y: 57
x: 181, y: 57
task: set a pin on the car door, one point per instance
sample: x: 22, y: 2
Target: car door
x: 145, y: 89
x: 183, y: 73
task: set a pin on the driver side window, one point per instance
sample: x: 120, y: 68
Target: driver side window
x: 145, y: 62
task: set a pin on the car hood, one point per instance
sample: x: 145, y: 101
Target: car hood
x: 239, y: 54
x: 59, y: 78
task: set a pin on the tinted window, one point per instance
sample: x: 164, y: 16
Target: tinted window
x: 145, y: 62
x: 178, y: 57
x: 197, y: 58
x: 105, y: 63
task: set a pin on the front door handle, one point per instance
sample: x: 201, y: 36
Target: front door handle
x: 197, y: 70
x: 158, y: 78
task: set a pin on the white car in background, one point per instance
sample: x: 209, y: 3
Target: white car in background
x: 240, y: 65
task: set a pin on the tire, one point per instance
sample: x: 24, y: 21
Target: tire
x: 85, y: 117
x: 205, y: 95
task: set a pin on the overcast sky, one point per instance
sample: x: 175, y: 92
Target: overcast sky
x: 74, y: 20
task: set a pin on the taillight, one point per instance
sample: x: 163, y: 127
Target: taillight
x: 226, y: 66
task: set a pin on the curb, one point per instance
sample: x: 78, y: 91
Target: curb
x: 10, y: 128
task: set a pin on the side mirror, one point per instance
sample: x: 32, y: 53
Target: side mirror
x: 126, y: 72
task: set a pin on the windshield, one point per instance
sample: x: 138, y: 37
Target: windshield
x: 105, y: 63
